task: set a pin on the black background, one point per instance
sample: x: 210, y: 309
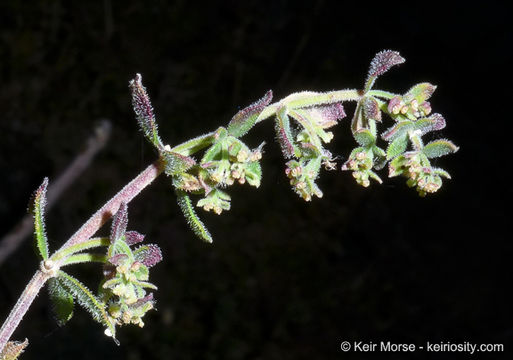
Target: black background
x: 284, y: 279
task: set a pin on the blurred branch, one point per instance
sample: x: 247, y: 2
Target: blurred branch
x: 13, y: 239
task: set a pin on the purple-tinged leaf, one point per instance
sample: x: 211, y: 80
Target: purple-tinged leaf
x: 39, y: 222
x: 148, y: 255
x: 144, y: 111
x: 383, y: 61
x: 133, y: 237
x: 325, y: 116
x: 371, y: 109
x: 439, y: 148
x: 118, y: 259
x: 245, y: 119
x: 142, y: 301
x: 119, y: 223
x: 284, y: 134
x: 176, y: 163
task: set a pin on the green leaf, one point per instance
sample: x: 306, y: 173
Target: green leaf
x: 193, y: 220
x: 175, y: 163
x: 398, y: 130
x: 439, y: 148
x: 144, y: 112
x: 397, y: 147
x: 39, y: 221
x: 62, y: 301
x: 432, y: 123
x: 87, y: 300
x: 364, y: 137
x: 420, y: 92
x: 245, y: 119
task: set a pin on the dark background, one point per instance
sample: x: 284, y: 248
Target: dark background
x: 284, y: 279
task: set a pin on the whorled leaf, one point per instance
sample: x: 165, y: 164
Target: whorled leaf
x: 371, y: 109
x: 284, y: 134
x: 399, y: 129
x: 62, y: 301
x: 39, y: 222
x: 87, y: 300
x: 364, y: 137
x: 119, y: 223
x: 133, y: 237
x: 420, y: 92
x: 245, y: 119
x: 381, y: 63
x: 148, y: 255
x: 431, y: 123
x: 397, y: 146
x: 175, y: 163
x: 144, y: 112
x: 439, y: 148
x: 193, y: 220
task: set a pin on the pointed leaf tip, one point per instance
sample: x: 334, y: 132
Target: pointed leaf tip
x: 245, y: 119
x: 144, y: 111
x: 383, y: 61
x: 39, y: 221
x: 133, y: 237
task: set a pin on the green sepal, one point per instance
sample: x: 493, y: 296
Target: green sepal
x: 380, y: 157
x: 245, y: 119
x: 62, y: 301
x: 193, y: 220
x: 397, y: 147
x: 439, y: 148
x: 87, y: 300
x: 364, y: 137
x: 39, y: 221
x: 175, y: 163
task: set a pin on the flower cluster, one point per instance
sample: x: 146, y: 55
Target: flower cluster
x: 126, y: 274
x: 419, y: 172
x: 413, y: 104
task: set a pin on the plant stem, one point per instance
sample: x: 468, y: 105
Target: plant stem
x: 21, y: 307
x: 131, y: 190
x: 83, y: 235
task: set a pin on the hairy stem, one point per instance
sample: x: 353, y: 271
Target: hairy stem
x: 21, y: 307
x: 131, y: 190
